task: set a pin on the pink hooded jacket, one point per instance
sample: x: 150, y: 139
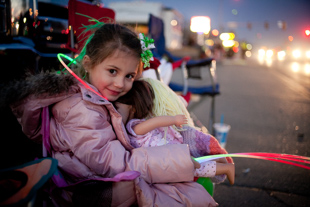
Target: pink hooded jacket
x: 89, y: 140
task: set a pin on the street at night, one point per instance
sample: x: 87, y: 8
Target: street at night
x: 268, y: 109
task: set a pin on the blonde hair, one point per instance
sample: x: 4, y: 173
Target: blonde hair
x: 166, y: 101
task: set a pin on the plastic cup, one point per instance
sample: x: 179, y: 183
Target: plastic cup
x: 221, y: 131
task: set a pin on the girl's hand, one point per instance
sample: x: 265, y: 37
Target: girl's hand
x: 179, y: 120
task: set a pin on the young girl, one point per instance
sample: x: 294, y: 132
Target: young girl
x: 159, y: 130
x: 88, y: 137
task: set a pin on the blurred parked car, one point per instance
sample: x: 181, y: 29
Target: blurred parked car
x: 32, y: 33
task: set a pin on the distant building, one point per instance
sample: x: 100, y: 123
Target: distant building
x: 136, y: 14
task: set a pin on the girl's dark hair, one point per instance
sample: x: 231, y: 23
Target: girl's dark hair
x: 107, y: 39
x: 140, y: 97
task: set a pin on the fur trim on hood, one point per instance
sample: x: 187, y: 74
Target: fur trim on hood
x: 43, y: 84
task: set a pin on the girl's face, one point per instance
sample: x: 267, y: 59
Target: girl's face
x: 114, y: 76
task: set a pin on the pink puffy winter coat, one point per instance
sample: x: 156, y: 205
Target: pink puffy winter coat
x: 89, y: 140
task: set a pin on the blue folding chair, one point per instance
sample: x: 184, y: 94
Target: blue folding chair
x: 195, y: 76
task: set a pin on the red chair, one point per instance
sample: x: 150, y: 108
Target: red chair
x: 75, y: 21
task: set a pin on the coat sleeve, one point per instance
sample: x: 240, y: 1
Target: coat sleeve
x: 163, y: 164
x: 90, y: 138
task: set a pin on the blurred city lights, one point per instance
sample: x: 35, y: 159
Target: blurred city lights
x: 269, y: 53
x: 17, y: 26
x: 234, y: 11
x: 227, y: 36
x: 307, y: 32
x: 308, y: 54
x: 215, y: 32
x: 248, y: 54
x: 30, y: 12
x: 174, y: 22
x: 295, y: 67
x: 200, y: 24
x: 281, y: 55
x: 296, y: 53
x: 66, y: 31
x: 290, y: 38
x: 261, y: 53
x: 209, y: 42
x: 228, y: 43
x: 249, y: 46
x: 235, y: 49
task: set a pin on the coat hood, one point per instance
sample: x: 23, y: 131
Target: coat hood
x: 41, y: 85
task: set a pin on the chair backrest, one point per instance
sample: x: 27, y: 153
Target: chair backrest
x: 77, y: 21
x: 156, y: 32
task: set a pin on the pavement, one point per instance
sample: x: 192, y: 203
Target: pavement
x: 266, y: 114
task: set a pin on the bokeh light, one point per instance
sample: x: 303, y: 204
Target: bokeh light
x: 227, y: 36
x: 281, y: 55
x: 209, y: 42
x: 174, y: 22
x: 290, y: 38
x: 269, y: 54
x: 249, y: 46
x: 248, y: 54
x: 296, y: 53
x: 200, y: 24
x: 295, y: 67
x: 235, y: 49
x: 215, y: 32
x: 261, y: 53
x: 228, y: 43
